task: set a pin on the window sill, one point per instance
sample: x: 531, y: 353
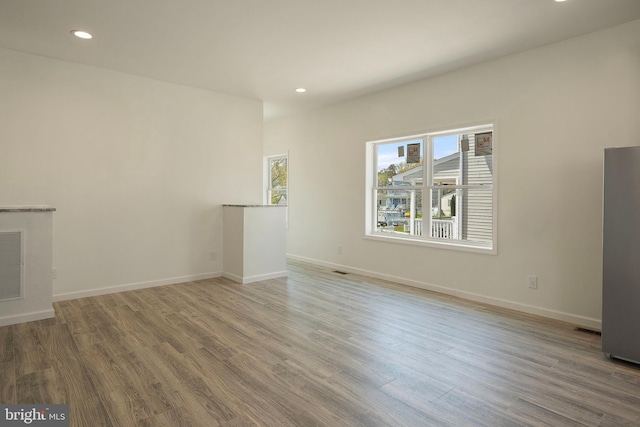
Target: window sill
x: 438, y: 244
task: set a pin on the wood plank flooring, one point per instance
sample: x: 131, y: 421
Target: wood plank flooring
x: 315, y: 349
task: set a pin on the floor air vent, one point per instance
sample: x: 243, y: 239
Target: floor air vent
x: 588, y: 331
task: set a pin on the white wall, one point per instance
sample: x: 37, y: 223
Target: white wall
x: 37, y: 235
x: 555, y: 109
x: 254, y: 243
x: 137, y: 169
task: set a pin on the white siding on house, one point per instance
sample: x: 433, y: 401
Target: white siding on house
x: 449, y: 169
x: 477, y: 205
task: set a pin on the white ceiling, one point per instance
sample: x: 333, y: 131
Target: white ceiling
x: 337, y: 49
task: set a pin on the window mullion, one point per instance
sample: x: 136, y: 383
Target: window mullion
x: 428, y: 161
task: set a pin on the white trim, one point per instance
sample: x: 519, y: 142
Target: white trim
x: 371, y: 182
x: 454, y: 245
x: 436, y: 186
x: 257, y: 278
x: 266, y: 184
x: 233, y: 277
x: 575, y: 319
x: 496, y: 172
x: 133, y: 286
x: 437, y: 131
x: 27, y: 317
x: 266, y: 176
x: 371, y: 185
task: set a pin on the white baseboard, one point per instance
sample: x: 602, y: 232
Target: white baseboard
x: 587, y: 322
x: 233, y: 277
x: 257, y: 278
x: 26, y: 317
x: 133, y: 286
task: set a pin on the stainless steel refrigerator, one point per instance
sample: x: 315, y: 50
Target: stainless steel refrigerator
x: 621, y: 254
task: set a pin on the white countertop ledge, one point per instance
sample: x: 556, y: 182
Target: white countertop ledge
x: 26, y: 209
x: 255, y: 206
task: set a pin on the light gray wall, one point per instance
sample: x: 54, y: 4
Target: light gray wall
x: 137, y: 169
x: 554, y: 109
x: 35, y: 302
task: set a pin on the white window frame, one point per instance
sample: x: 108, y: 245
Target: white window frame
x: 266, y: 179
x: 371, y: 199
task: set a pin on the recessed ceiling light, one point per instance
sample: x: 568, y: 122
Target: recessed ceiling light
x: 558, y: 1
x: 82, y: 34
x: 301, y: 90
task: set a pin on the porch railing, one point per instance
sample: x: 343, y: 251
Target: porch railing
x: 440, y: 228
x: 444, y: 228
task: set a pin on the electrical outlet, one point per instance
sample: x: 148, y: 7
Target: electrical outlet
x: 533, y: 282
x: 54, y: 274
x: 212, y: 256
x: 339, y: 250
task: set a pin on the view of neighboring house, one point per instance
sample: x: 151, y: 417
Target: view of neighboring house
x: 455, y: 214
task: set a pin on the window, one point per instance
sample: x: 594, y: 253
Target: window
x: 433, y: 189
x: 276, y: 174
